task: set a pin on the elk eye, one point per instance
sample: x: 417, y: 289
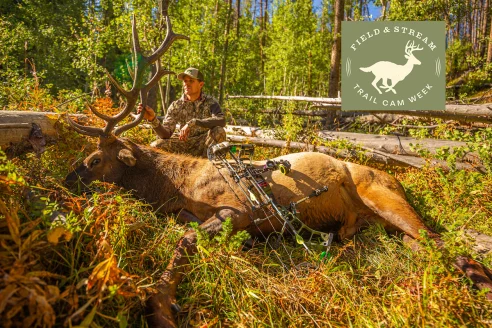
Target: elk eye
x: 95, y: 162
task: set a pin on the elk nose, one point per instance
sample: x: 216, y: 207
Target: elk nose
x: 71, y: 179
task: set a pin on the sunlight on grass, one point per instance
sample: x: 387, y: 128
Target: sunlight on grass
x: 94, y: 258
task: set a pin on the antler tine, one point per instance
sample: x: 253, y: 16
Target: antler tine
x: 128, y: 68
x: 98, y: 114
x: 86, y: 130
x: 119, y: 130
x: 166, y: 44
x: 124, y: 92
x: 157, y: 76
x: 137, y: 55
x: 121, y: 115
x: 136, y: 41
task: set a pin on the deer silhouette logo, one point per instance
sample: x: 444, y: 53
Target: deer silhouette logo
x: 384, y: 70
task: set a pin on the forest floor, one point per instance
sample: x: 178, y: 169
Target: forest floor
x: 91, y: 259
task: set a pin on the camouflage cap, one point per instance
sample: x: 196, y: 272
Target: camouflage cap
x: 191, y: 72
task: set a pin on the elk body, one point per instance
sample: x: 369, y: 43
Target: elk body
x: 357, y: 195
x: 384, y: 70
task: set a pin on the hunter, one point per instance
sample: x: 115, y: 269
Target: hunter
x: 199, y: 116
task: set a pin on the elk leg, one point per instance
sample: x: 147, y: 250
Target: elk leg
x: 479, y: 274
x: 186, y: 217
x: 160, y: 305
x: 393, y: 209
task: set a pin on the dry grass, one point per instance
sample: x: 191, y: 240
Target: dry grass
x: 91, y: 260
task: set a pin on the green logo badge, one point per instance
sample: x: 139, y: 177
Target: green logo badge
x: 393, y: 66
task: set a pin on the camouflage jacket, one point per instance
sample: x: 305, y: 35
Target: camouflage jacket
x: 205, y: 110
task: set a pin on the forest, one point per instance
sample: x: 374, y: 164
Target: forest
x: 93, y: 257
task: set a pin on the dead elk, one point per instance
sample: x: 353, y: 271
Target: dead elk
x: 357, y: 195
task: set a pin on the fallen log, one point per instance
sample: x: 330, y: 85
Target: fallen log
x: 337, y: 101
x: 373, y: 156
x: 16, y: 127
x: 462, y: 113
x: 395, y: 144
x: 386, y: 143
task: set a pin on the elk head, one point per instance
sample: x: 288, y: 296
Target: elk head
x: 114, y: 155
x: 409, y: 49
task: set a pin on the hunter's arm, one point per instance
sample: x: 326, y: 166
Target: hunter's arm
x: 217, y: 118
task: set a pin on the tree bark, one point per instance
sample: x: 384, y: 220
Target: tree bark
x: 224, y: 55
x: 238, y: 16
x: 214, y: 51
x: 336, y: 51
x: 489, y: 52
x: 483, y: 30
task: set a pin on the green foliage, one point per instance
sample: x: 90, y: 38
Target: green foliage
x: 225, y: 240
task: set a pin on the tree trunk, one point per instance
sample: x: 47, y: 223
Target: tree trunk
x: 489, y: 52
x: 383, y: 9
x: 214, y: 51
x: 336, y: 51
x: 238, y: 16
x: 485, y: 24
x: 224, y: 55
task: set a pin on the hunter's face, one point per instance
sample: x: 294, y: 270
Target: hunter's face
x: 192, y: 87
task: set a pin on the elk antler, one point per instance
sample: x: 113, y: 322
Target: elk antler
x: 141, y: 63
x: 409, y: 48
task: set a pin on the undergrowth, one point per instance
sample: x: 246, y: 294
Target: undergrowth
x: 92, y: 259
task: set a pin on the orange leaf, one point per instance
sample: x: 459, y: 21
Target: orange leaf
x: 12, y: 222
x: 5, y: 295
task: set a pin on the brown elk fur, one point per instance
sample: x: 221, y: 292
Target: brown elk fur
x: 357, y: 196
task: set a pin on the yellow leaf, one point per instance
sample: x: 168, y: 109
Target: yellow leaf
x: 53, y: 117
x: 55, y: 235
x: 100, y: 274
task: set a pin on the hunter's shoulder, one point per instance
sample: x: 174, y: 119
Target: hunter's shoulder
x: 209, y: 99
x: 177, y: 103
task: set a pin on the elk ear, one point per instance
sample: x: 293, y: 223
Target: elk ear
x: 126, y: 157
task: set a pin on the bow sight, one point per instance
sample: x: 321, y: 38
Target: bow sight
x: 259, y: 194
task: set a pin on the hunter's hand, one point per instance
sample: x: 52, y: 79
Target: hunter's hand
x: 184, y: 133
x: 149, y: 112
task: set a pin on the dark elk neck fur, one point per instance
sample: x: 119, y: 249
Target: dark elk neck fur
x: 159, y: 177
